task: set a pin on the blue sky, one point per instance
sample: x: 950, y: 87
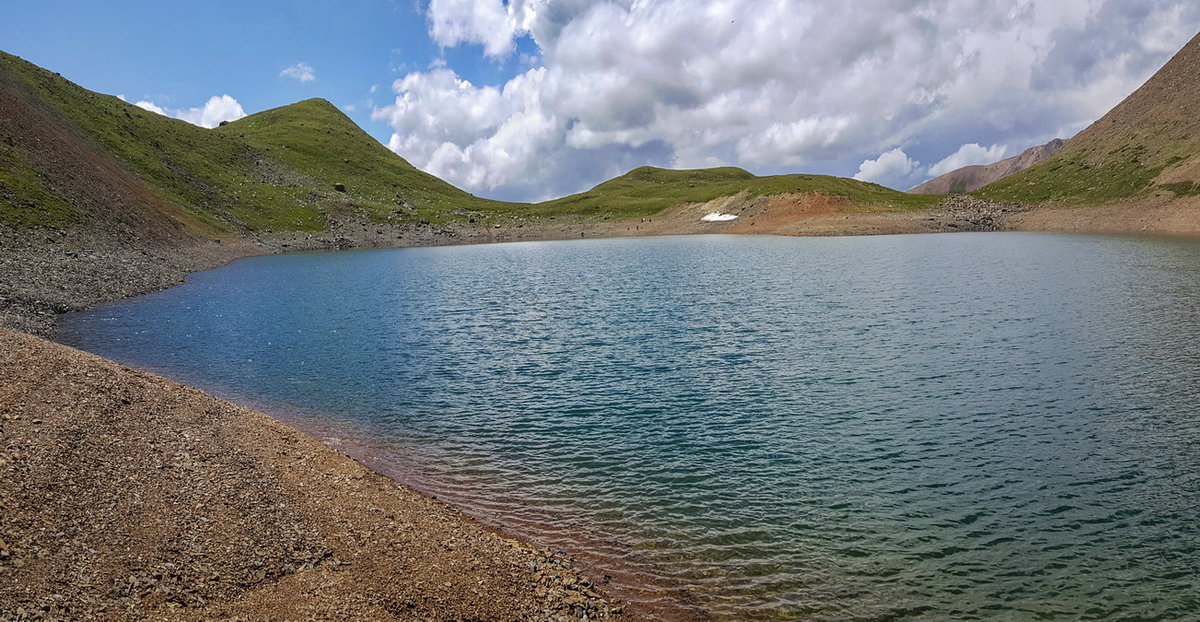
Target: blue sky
x: 179, y: 54
x: 530, y: 99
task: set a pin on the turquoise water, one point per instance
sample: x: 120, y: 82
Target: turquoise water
x: 969, y: 426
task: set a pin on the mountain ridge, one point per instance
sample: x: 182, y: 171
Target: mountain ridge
x: 974, y: 177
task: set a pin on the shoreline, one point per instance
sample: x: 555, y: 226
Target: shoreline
x: 227, y: 512
x: 639, y: 585
x: 45, y: 273
x: 63, y: 273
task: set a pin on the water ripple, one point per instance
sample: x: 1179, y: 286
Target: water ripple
x: 970, y: 427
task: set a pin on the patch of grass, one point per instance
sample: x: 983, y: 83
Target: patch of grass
x: 1183, y: 188
x: 26, y: 199
x: 1078, y: 177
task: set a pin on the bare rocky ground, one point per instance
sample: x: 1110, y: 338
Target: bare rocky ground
x: 967, y: 213
x: 126, y: 496
x: 45, y: 272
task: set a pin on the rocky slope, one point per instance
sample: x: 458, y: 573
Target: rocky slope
x: 970, y: 178
x: 1147, y: 145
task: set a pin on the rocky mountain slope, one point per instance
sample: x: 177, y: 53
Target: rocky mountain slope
x: 1147, y: 147
x: 970, y: 178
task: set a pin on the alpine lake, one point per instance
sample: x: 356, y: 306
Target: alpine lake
x: 928, y: 427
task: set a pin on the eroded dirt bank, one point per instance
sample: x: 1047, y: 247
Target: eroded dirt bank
x: 128, y: 496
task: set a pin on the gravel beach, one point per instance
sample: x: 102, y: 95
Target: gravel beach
x: 129, y: 496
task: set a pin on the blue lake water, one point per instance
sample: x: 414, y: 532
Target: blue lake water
x: 968, y: 426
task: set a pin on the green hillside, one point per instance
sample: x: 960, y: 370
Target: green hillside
x: 69, y: 156
x: 648, y: 190
x: 200, y: 172
x: 1149, y: 143
x: 1086, y: 176
x: 323, y: 148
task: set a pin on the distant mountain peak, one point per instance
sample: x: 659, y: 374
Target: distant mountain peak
x: 971, y: 178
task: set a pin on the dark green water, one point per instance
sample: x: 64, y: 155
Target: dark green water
x: 966, y: 427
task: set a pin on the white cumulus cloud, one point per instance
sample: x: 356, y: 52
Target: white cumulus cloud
x: 215, y: 110
x: 218, y: 108
x: 968, y: 155
x: 771, y: 85
x: 300, y: 71
x: 890, y: 167
x: 494, y: 24
x: 152, y: 107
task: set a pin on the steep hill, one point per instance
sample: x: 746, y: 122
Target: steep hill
x: 69, y: 156
x: 1149, y: 143
x: 970, y: 178
x: 313, y: 146
x: 55, y: 172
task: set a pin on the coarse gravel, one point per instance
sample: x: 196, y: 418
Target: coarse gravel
x: 126, y: 496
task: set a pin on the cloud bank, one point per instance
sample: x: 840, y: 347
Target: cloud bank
x: 772, y: 86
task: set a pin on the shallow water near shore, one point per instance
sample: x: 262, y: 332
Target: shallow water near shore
x: 968, y: 426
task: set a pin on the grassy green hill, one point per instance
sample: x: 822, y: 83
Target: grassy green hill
x: 321, y: 148
x: 1149, y: 143
x: 69, y: 156
x: 183, y: 168
x: 275, y: 170
x: 648, y: 190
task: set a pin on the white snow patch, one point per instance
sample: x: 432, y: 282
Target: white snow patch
x: 717, y: 217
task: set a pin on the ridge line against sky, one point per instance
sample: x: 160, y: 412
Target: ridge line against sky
x: 534, y: 99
